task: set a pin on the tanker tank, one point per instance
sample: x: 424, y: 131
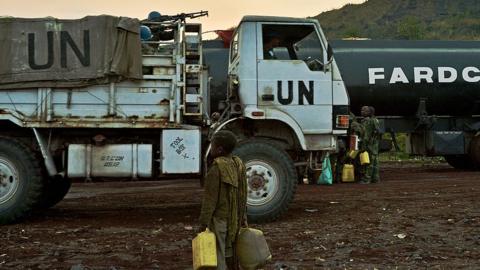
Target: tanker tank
x: 215, y: 57
x: 393, y: 76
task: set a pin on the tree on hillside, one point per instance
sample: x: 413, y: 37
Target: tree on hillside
x: 410, y: 28
x: 352, y: 32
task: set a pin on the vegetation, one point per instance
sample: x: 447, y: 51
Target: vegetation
x: 404, y: 19
x: 401, y: 155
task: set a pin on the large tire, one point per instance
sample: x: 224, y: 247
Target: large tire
x: 272, y: 180
x: 20, y: 180
x: 475, y: 152
x: 54, y: 191
x: 460, y: 162
x: 300, y: 175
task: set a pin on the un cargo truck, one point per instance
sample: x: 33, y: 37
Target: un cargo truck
x: 117, y: 98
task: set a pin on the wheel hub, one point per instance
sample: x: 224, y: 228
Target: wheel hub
x: 256, y: 182
x: 262, y: 182
x: 8, y: 180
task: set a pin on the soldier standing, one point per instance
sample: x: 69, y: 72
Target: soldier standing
x: 369, y: 142
x: 356, y: 128
x: 343, y: 153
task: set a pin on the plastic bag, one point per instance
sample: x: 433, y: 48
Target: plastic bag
x: 326, y: 177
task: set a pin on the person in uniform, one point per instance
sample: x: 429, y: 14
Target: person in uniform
x: 343, y: 156
x: 225, y: 198
x: 376, y: 172
x: 369, y: 142
x: 271, y: 41
x: 356, y: 128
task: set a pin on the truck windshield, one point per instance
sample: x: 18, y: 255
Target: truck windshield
x: 292, y: 42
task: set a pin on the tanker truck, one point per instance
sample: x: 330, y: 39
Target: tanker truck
x: 426, y: 89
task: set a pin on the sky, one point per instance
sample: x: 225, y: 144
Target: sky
x: 222, y: 14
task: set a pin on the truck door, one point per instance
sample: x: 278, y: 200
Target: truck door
x: 292, y: 76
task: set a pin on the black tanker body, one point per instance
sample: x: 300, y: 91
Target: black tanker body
x: 382, y: 74
x: 215, y: 56
x: 427, y: 89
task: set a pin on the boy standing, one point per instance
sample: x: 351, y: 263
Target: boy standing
x: 225, y: 198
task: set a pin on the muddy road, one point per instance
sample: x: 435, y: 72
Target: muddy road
x: 418, y: 216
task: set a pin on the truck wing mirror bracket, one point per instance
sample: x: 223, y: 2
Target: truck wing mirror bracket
x: 329, y: 53
x: 233, y: 86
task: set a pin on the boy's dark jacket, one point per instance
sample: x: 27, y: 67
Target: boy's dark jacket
x: 225, y: 195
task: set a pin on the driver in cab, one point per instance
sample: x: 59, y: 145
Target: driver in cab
x: 271, y: 41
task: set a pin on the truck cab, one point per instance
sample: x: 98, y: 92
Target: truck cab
x: 295, y: 82
x: 284, y: 92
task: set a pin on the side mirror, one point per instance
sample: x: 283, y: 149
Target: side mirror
x: 329, y: 53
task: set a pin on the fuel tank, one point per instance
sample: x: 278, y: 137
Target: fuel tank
x: 394, y: 76
x: 215, y: 57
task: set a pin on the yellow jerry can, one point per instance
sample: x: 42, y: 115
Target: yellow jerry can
x: 252, y: 249
x: 364, y: 158
x: 352, y: 154
x: 204, y: 251
x: 348, y: 173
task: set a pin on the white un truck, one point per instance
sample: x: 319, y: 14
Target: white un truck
x: 87, y: 99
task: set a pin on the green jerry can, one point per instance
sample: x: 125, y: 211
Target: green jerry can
x: 364, y: 158
x: 348, y: 173
x: 252, y: 249
x: 204, y: 251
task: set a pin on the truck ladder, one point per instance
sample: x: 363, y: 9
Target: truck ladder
x: 192, y: 90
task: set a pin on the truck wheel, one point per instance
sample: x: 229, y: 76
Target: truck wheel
x: 300, y: 175
x: 460, y: 162
x: 54, y: 192
x: 475, y: 152
x: 272, y: 180
x: 20, y: 180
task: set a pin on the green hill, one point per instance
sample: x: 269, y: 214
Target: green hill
x: 405, y: 19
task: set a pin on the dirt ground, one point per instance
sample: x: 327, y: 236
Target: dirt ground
x: 418, y: 216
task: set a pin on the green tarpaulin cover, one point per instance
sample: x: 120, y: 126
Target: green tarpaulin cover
x: 49, y: 52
